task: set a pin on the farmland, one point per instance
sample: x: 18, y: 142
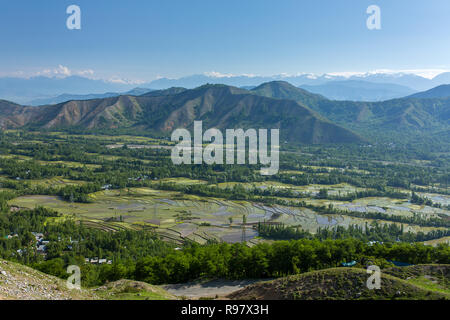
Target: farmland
x: 143, y: 195
x: 118, y: 198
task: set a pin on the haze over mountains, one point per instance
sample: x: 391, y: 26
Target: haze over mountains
x: 67, y: 97
x: 414, y: 82
x: 360, y: 87
x: 442, y: 91
x: 356, y: 90
x: 21, y: 90
x: 304, y: 117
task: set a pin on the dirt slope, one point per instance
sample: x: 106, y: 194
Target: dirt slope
x: 18, y: 282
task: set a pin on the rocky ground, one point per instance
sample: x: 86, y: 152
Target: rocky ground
x: 23, y: 283
x: 206, y: 289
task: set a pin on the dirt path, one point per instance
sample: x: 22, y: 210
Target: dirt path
x: 209, y: 289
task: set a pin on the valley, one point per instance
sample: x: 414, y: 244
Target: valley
x: 96, y: 178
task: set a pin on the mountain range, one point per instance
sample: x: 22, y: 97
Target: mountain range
x: 25, y: 90
x: 67, y: 97
x: 303, y: 117
x: 163, y: 111
x: 406, y: 114
x: 412, y: 81
x: 368, y: 87
x: 356, y: 90
x: 442, y: 91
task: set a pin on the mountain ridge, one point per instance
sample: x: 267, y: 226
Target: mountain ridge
x: 218, y: 106
x: 25, y: 90
x: 442, y: 91
x: 357, y: 90
x: 394, y: 114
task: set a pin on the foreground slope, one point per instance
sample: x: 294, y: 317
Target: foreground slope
x: 18, y: 282
x: 334, y: 284
x: 435, y: 277
x: 132, y: 290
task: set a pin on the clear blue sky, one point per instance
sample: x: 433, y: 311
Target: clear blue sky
x: 143, y: 39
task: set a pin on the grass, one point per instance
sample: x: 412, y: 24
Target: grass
x: 132, y: 290
x: 429, y: 284
x: 430, y: 276
x: 337, y: 284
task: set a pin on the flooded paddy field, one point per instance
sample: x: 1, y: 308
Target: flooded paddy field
x: 341, y: 189
x: 177, y: 216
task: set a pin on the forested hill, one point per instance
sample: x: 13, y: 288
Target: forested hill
x: 304, y: 117
x: 442, y: 91
x: 406, y: 114
x: 163, y: 111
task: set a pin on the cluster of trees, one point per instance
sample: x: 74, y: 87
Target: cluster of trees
x: 70, y: 240
x: 373, y: 232
x: 359, y: 166
x: 280, y: 258
x: 141, y: 256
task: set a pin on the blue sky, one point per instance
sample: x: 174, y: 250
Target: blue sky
x: 146, y: 39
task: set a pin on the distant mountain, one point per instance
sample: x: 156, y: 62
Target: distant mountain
x: 195, y: 81
x: 218, y: 106
x: 67, y: 97
x: 165, y: 92
x: 443, y: 78
x: 396, y: 115
x: 411, y: 81
x: 285, y: 90
x: 355, y: 90
x: 442, y: 91
x: 23, y: 90
x: 302, y: 115
x: 137, y: 91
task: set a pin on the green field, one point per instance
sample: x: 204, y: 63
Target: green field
x: 178, y: 216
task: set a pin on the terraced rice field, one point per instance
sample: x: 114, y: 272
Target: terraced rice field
x: 54, y: 182
x: 312, y: 189
x: 176, y: 216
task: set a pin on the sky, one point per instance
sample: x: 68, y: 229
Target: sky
x: 142, y: 40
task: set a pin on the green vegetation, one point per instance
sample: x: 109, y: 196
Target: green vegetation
x: 139, y: 255
x: 119, y: 199
x: 336, y: 284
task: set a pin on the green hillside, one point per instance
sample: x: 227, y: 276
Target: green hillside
x: 442, y: 91
x: 336, y: 284
x: 218, y: 106
x: 398, y: 114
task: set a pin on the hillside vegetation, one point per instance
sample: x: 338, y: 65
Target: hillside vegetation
x: 218, y: 106
x: 398, y: 114
x: 335, y: 284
